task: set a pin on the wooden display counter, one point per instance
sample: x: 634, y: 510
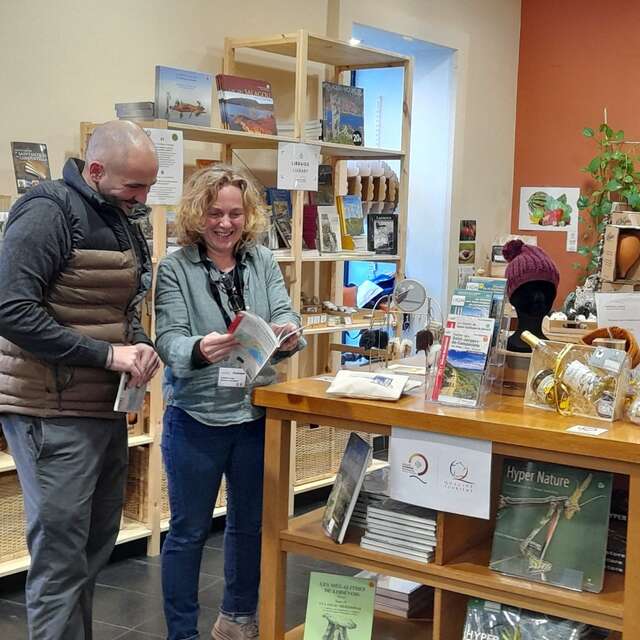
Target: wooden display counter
x: 461, y: 566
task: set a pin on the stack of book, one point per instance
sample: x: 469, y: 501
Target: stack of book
x: 399, y: 597
x: 617, y: 538
x: 375, y: 490
x: 134, y: 110
x: 400, y: 529
x: 312, y: 129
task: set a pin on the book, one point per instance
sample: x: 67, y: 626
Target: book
x: 325, y: 194
x: 343, y: 114
x: 281, y: 214
x: 387, y: 520
x: 135, y: 110
x: 552, y: 524
x: 346, y: 487
x: 246, y: 104
x: 329, y: 233
x: 128, y: 399
x: 404, y: 512
x: 182, y: 95
x: 257, y: 343
x: 339, y: 607
x: 462, y: 360
x: 382, y: 233
x: 30, y: 164
x: 310, y: 225
x: 351, y: 209
x: 384, y: 538
x: 470, y: 302
x: 395, y: 550
x: 409, y: 534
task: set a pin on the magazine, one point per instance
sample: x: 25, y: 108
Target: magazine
x: 128, y: 399
x: 183, y: 96
x: 343, y: 111
x: 257, y: 343
x: 30, y: 164
x: 346, y: 487
x: 246, y: 104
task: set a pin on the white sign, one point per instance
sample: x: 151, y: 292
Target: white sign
x: 586, y: 430
x: 619, y: 310
x: 169, y: 147
x: 440, y: 472
x: 298, y: 166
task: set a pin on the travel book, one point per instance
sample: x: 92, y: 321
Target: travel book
x: 329, y: 231
x: 257, y: 343
x: 346, y: 487
x: 30, y: 164
x: 350, y: 208
x: 281, y: 214
x: 128, y: 399
x: 462, y: 360
x: 183, y: 96
x: 343, y: 114
x: 246, y: 104
x: 339, y: 607
x: 552, y: 524
x: 325, y: 194
x: 469, y: 302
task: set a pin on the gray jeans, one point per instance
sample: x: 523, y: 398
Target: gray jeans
x: 73, y: 477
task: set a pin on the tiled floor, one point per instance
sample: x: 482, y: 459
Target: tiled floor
x: 128, y: 603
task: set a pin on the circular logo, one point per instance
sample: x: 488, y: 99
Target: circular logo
x: 419, y: 463
x: 459, y: 470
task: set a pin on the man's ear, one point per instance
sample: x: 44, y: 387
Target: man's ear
x: 96, y: 170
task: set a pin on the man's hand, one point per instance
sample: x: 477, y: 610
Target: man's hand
x: 217, y: 346
x: 282, y: 330
x: 140, y: 361
x: 149, y: 362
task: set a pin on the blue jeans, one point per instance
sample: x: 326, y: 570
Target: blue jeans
x: 195, y: 456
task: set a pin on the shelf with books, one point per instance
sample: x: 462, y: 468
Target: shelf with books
x: 6, y: 462
x: 235, y: 139
x: 348, y: 257
x: 352, y: 152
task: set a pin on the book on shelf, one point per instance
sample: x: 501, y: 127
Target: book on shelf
x: 30, y: 164
x: 382, y: 233
x: 395, y: 550
x: 339, y: 607
x: 412, y: 534
x: 183, y: 96
x: 329, y: 231
x: 471, y: 302
x: 462, y: 360
x: 312, y: 129
x: 135, y: 110
x: 310, y: 225
x: 246, y: 104
x: 552, y: 524
x: 325, y: 194
x: 350, y: 208
x: 403, y: 512
x: 413, y: 544
x: 346, y: 487
x: 281, y: 214
x: 374, y: 490
x: 343, y: 114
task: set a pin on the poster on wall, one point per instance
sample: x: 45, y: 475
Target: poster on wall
x: 550, y: 209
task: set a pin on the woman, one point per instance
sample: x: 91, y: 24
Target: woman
x: 210, y: 425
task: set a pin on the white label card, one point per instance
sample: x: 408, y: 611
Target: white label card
x: 229, y: 377
x: 298, y: 166
x: 169, y: 146
x: 586, y: 430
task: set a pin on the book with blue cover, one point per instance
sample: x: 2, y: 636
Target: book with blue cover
x: 183, y: 96
x: 343, y: 114
x: 469, y: 302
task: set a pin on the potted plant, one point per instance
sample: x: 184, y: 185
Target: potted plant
x: 614, y: 180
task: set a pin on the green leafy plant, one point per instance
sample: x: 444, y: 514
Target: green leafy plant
x: 615, y: 179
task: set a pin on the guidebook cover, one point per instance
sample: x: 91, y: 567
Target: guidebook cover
x: 339, y: 607
x: 467, y: 302
x: 351, y: 208
x: 30, y: 164
x: 552, y: 524
x: 183, y: 96
x: 246, y: 104
x: 343, y: 109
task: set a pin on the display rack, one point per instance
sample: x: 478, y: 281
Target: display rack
x: 461, y: 566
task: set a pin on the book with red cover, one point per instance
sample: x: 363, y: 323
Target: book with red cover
x: 246, y: 104
x: 310, y: 225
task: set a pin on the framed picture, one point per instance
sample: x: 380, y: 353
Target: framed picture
x: 382, y: 233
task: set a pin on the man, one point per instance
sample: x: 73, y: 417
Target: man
x: 73, y: 270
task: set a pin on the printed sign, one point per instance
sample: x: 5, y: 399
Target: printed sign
x: 298, y: 166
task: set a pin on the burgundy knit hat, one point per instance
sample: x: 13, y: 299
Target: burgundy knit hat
x: 527, y: 263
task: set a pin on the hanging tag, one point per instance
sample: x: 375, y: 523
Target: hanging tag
x: 231, y: 377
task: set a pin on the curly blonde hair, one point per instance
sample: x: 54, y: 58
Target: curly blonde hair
x: 201, y: 191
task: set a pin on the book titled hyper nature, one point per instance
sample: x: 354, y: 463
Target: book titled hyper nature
x: 552, y: 524
x: 30, y: 164
x: 339, y: 607
x: 246, y: 104
x: 343, y: 110
x: 183, y: 96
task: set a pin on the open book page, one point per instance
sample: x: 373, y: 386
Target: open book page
x: 128, y: 399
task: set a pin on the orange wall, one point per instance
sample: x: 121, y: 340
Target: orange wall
x: 576, y: 57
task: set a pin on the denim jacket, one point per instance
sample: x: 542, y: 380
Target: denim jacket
x: 187, y: 311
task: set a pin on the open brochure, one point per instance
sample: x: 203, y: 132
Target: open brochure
x: 257, y: 342
x: 128, y: 399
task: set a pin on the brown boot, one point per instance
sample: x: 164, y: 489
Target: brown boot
x: 227, y: 629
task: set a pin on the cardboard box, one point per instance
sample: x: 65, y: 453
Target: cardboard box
x: 610, y: 252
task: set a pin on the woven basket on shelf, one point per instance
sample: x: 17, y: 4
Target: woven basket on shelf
x: 136, y: 503
x: 313, y: 453
x: 165, y: 509
x: 13, y: 525
x: 339, y: 443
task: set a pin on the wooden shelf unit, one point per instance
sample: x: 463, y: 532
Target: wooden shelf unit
x: 461, y: 566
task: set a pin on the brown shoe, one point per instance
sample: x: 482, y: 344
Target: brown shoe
x: 227, y: 629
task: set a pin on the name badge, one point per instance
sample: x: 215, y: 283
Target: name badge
x: 231, y: 377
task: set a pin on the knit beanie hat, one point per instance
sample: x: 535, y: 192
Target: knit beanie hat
x: 527, y: 263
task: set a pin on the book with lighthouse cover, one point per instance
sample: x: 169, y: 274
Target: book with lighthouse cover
x: 552, y: 524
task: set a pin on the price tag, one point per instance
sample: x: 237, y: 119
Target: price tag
x: 586, y: 430
x: 230, y: 377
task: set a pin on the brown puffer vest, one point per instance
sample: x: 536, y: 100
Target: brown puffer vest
x: 91, y: 295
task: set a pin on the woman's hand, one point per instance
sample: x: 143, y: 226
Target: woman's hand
x: 282, y: 330
x: 215, y: 346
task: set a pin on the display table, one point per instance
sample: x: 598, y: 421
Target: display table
x: 461, y: 567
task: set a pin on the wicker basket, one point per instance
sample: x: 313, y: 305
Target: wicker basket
x: 339, y: 444
x: 13, y: 525
x: 136, y: 502
x: 313, y: 453
x: 165, y: 509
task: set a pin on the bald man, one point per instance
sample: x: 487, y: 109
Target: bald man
x: 74, y: 268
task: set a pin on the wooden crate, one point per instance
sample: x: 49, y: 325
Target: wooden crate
x: 136, y: 499
x: 314, y: 453
x: 13, y: 522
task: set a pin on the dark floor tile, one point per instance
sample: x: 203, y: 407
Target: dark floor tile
x: 212, y: 561
x: 13, y: 621
x: 104, y: 631
x: 124, y: 608
x: 137, y: 635
x: 155, y: 625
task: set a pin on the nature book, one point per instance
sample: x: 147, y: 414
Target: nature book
x: 257, y: 343
x: 346, y: 487
x: 351, y: 208
x: 470, y: 302
x: 552, y: 524
x: 462, y: 360
x: 128, y: 399
x: 246, y: 104
x: 343, y: 114
x: 183, y: 96
x: 30, y: 164
x: 339, y: 607
x: 329, y: 233
x: 382, y: 233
